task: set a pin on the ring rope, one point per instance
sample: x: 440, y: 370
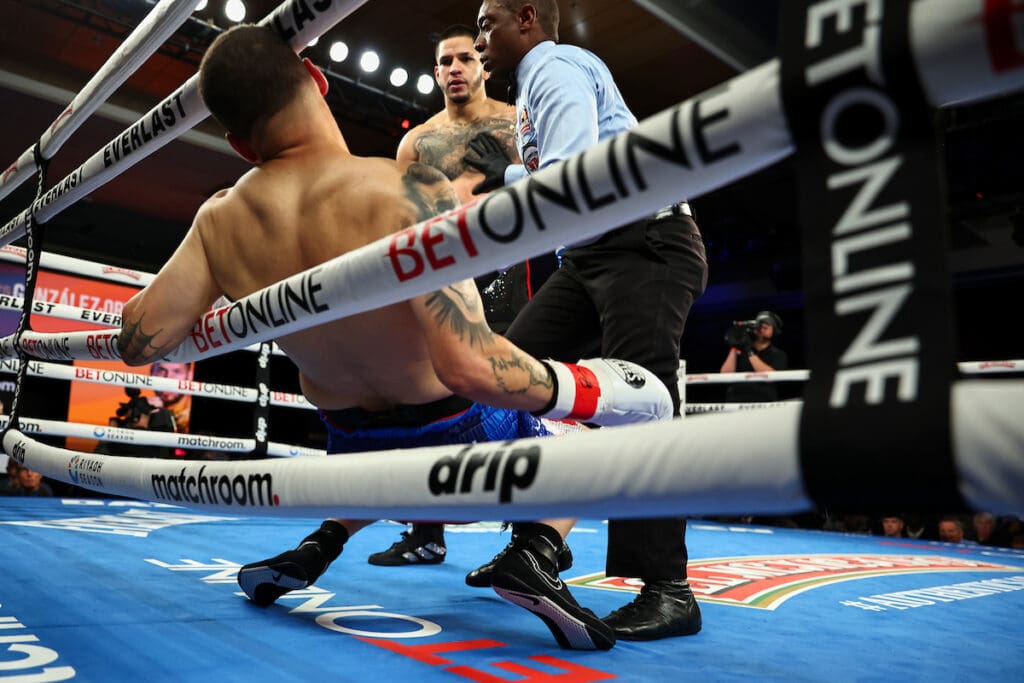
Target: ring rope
x: 296, y: 20
x: 714, y: 477
x: 143, y: 41
x: 45, y: 306
x: 686, y: 467
x: 120, y: 378
x: 142, y: 437
x: 77, y: 266
x: 966, y: 367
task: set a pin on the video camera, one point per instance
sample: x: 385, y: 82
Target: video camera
x: 129, y: 412
x: 742, y: 331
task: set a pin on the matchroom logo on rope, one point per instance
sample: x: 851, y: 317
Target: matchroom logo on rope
x: 767, y: 581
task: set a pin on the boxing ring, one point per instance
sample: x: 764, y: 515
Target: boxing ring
x: 689, y: 467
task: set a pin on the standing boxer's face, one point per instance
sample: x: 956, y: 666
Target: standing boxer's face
x: 458, y: 72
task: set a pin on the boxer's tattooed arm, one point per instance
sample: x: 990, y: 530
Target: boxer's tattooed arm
x: 517, y: 373
x: 428, y: 190
x: 458, y: 307
x: 136, y: 345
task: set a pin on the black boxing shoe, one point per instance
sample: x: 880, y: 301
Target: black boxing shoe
x: 481, y: 576
x: 663, y: 609
x: 265, y: 581
x: 527, y: 576
x: 423, y: 544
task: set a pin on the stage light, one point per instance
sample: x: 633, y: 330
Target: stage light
x: 234, y: 10
x: 399, y: 77
x: 405, y: 124
x: 425, y: 84
x: 339, y: 51
x: 313, y: 42
x: 369, y: 61
x: 200, y: 6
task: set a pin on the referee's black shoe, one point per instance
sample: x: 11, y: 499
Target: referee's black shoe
x: 662, y: 610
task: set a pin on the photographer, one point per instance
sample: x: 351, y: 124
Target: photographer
x: 751, y: 350
x: 138, y: 413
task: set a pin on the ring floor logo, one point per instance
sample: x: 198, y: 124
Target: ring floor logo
x: 767, y: 581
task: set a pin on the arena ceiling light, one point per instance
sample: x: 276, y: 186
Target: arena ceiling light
x: 338, y: 52
x: 234, y: 10
x: 369, y: 61
x: 425, y: 84
x: 399, y: 77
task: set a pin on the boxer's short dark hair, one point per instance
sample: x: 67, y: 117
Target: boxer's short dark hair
x: 247, y: 75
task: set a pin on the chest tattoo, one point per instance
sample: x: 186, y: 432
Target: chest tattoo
x: 443, y: 148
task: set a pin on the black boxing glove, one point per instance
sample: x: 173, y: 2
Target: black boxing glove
x: 489, y: 158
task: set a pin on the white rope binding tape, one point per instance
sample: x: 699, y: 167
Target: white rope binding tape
x: 678, y: 467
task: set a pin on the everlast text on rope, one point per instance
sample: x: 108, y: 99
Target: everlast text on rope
x: 167, y: 115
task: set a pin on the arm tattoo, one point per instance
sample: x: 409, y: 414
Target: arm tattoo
x: 428, y: 190
x: 136, y: 345
x: 516, y: 374
x: 462, y: 312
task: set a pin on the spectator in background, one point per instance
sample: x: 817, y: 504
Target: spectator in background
x: 31, y: 484
x: 752, y: 349
x: 951, y: 530
x: 1014, y: 528
x: 179, y: 405
x: 893, y: 526
x: 987, y: 530
x: 11, y: 482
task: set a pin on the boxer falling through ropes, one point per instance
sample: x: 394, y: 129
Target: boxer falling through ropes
x: 421, y: 372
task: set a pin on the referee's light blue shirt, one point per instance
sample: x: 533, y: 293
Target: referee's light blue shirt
x: 566, y: 102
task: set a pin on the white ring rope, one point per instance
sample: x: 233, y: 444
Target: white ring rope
x: 681, y: 467
x: 76, y: 266
x: 678, y: 467
x: 143, y: 41
x: 121, y: 378
x: 46, y: 302
x: 181, y: 111
x: 984, y: 367
x: 142, y: 437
